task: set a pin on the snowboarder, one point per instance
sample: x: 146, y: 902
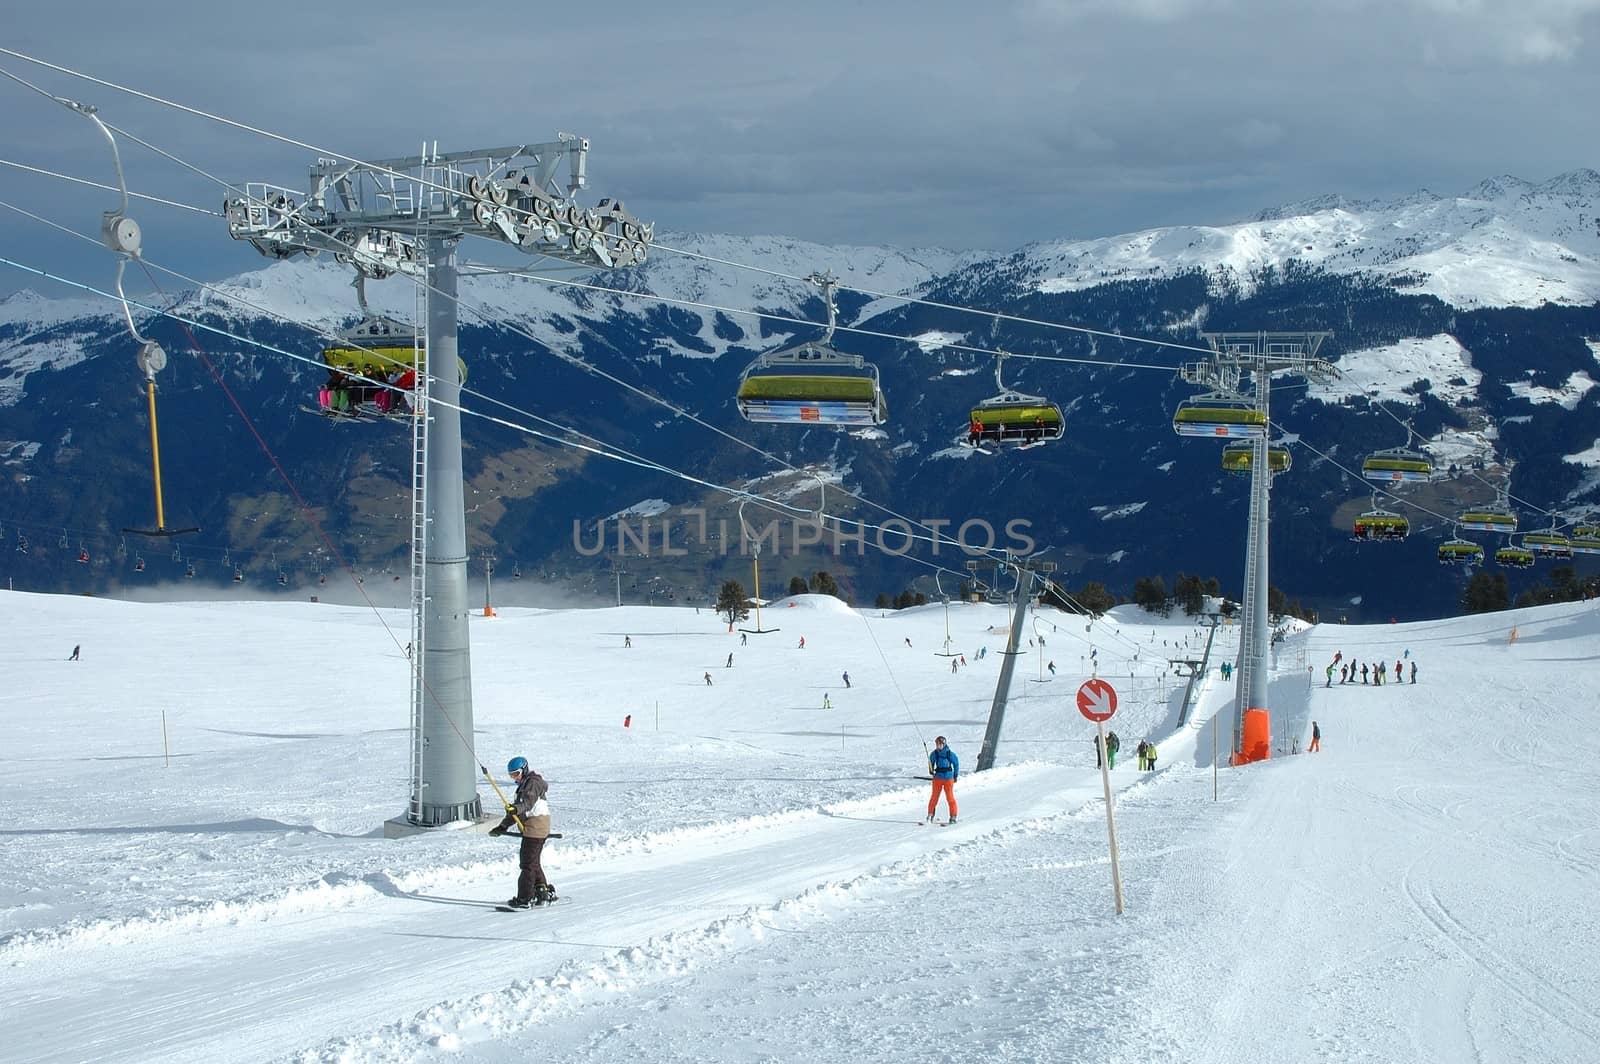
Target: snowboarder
x: 1363, y: 672
x: 1316, y: 739
x: 1140, y: 752
x: 729, y: 665
x: 963, y: 660
x: 847, y: 681
x: 802, y: 642
x: 954, y: 665
x: 744, y: 637
x: 529, y: 811
x: 708, y: 679
x: 908, y: 641
x: 945, y: 768
x: 1330, y: 677
x: 1150, y: 756
x: 1052, y: 668
x: 827, y: 703
x: 627, y: 641
x: 75, y: 650
x: 1413, y: 672
x: 627, y: 721
x: 1113, y: 744
x: 1399, y: 668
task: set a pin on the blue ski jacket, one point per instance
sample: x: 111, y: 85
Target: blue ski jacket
x: 943, y: 764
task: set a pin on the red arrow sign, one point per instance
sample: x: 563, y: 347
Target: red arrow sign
x: 1097, y: 700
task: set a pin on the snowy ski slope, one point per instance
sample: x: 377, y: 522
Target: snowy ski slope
x: 744, y: 876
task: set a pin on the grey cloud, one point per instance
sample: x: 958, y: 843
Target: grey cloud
x: 895, y: 122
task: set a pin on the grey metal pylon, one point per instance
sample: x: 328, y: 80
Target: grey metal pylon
x: 1260, y: 354
x: 406, y: 216
x: 1008, y: 659
x: 448, y: 791
x: 1251, y: 692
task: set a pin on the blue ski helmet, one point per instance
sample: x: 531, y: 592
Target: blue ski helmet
x: 516, y: 764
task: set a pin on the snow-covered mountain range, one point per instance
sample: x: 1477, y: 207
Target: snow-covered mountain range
x: 1474, y: 317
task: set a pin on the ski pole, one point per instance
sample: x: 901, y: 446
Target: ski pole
x: 511, y: 809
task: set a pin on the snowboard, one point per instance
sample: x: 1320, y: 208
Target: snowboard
x: 511, y: 909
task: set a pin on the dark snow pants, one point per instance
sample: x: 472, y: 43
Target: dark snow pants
x: 532, y: 873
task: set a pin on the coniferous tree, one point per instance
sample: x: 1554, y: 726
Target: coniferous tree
x: 1486, y: 592
x: 731, y: 601
x: 797, y: 585
x: 1151, y: 593
x: 823, y: 583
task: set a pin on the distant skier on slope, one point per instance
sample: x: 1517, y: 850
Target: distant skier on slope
x: 945, y: 768
x: 529, y: 807
x: 846, y: 679
x: 1316, y: 739
x: 708, y: 679
x: 75, y: 650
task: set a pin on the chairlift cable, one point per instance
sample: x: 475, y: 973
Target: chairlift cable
x: 322, y: 152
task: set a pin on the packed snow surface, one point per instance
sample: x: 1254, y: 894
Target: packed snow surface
x: 195, y: 869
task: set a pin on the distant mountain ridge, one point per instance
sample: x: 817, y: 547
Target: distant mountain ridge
x: 1476, y: 317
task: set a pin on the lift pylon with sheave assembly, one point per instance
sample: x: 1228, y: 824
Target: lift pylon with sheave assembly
x: 1259, y: 354
x: 408, y: 216
x: 1025, y: 570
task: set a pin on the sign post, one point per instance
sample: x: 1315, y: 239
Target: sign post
x: 1097, y: 700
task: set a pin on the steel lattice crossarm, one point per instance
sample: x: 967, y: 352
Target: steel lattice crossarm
x: 373, y: 216
x: 1271, y: 352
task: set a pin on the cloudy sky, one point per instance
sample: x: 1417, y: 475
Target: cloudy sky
x: 930, y: 123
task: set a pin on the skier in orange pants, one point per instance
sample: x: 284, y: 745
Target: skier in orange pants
x: 1316, y: 739
x: 945, y: 768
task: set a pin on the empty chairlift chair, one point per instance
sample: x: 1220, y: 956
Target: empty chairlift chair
x: 1220, y: 415
x: 812, y: 383
x: 1495, y: 518
x: 1551, y: 544
x: 1397, y: 465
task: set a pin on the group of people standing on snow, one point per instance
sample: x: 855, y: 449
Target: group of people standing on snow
x: 1378, y: 672
x: 1146, y: 751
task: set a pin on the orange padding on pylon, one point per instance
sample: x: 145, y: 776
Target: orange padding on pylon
x: 1255, y: 738
x: 488, y: 611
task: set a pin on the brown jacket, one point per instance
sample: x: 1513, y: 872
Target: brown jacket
x: 530, y: 793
